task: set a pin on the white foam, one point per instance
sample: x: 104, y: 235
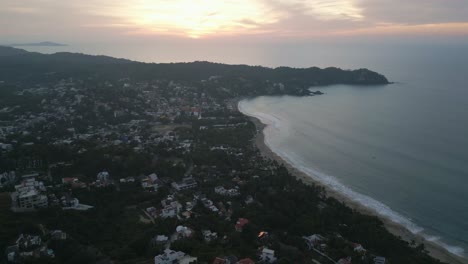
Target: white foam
x: 275, y: 123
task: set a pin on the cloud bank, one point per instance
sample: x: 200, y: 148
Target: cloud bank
x: 111, y: 19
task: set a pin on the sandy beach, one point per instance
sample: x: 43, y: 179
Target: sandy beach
x: 398, y: 230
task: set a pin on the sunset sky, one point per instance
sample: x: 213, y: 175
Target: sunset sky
x: 100, y: 20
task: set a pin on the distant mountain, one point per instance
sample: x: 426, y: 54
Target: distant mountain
x: 39, y: 44
x: 21, y: 65
x: 9, y: 51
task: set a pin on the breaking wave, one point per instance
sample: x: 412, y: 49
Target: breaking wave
x: 273, y: 123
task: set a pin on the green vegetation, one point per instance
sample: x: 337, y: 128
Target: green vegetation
x: 133, y: 119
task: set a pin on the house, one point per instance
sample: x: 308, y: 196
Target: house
x: 186, y: 183
x: 249, y: 199
x: 103, y: 177
x: 209, y: 204
x: 379, y: 260
x: 313, y: 240
x: 151, y: 182
x: 29, y: 195
x: 187, y: 260
x: 344, y: 261
x: 127, y: 180
x: 171, y: 207
x: 7, y: 178
x: 160, y: 239
x: 358, y: 248
x: 225, y: 260
x: 169, y: 257
x: 69, y: 180
x: 245, y: 261
x: 25, y: 242
x: 263, y: 235
x: 169, y: 211
x: 226, y: 192
x: 152, y: 211
x: 12, y: 253
x: 184, y: 232
x: 69, y: 202
x: 58, y: 235
x: 73, y: 182
x: 267, y: 255
x: 209, y: 236
x: 219, y: 260
x: 240, y: 224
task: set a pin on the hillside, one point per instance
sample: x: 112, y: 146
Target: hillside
x: 24, y: 66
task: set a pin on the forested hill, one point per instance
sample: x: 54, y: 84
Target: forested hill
x: 19, y: 65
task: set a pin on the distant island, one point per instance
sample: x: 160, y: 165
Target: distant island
x: 39, y: 44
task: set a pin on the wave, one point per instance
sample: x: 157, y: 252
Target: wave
x: 273, y: 122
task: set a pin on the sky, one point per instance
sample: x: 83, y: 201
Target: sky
x: 211, y: 19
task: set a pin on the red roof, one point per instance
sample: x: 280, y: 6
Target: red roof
x: 245, y: 261
x: 69, y: 180
x: 242, y: 221
x: 345, y: 261
x: 219, y: 261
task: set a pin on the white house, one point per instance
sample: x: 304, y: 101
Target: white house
x: 184, y: 232
x: 29, y: 195
x: 160, y: 239
x: 151, y: 181
x: 186, y: 183
x: 7, y: 178
x: 170, y: 211
x: 268, y: 255
x: 171, y: 207
x: 379, y: 260
x: 169, y: 257
x: 103, y: 176
x: 209, y: 236
x: 313, y: 240
x: 358, y: 248
x: 226, y: 192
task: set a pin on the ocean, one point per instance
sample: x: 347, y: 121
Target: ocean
x: 401, y: 149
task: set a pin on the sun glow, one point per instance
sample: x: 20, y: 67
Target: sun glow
x: 197, y: 18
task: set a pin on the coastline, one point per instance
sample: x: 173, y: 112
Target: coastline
x: 396, y: 229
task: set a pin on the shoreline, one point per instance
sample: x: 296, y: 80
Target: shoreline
x: 435, y: 250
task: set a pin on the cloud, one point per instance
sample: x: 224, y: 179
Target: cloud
x: 114, y: 19
x: 415, y: 11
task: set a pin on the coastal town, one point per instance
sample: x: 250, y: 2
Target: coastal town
x: 162, y: 171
